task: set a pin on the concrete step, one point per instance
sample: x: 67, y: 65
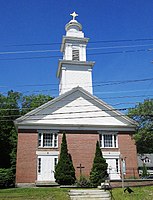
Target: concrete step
x: 94, y: 194
x: 46, y: 184
x: 89, y: 194
x: 90, y: 198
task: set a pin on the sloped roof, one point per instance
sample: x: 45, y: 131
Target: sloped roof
x: 76, y: 108
x: 143, y: 157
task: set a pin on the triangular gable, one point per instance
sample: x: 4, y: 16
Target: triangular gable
x: 76, y: 108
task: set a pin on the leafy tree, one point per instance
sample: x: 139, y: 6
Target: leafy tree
x: 9, y: 111
x: 64, y: 171
x: 12, y: 106
x: 143, y: 115
x: 99, y: 169
x: 33, y: 101
x: 6, y: 178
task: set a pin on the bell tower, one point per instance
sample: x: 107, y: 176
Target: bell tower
x: 73, y: 69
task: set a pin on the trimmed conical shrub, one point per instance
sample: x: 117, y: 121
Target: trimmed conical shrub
x: 99, y: 169
x: 64, y: 171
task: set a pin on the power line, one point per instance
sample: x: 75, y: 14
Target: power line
x: 65, y: 113
x: 56, y: 107
x: 90, y: 42
x: 108, y: 92
x: 104, y: 83
x: 117, y: 47
x: 101, y: 53
x: 114, y: 97
x: 57, y: 50
x: 28, y: 51
x: 80, y: 117
x: 32, y: 57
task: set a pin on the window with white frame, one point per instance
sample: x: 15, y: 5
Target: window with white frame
x: 108, y: 140
x: 47, y: 139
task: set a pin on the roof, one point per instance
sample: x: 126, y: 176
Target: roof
x: 147, y: 157
x: 76, y: 109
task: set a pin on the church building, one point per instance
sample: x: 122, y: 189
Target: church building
x: 84, y: 118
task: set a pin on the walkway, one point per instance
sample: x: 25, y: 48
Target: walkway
x: 89, y: 194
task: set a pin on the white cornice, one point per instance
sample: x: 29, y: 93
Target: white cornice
x: 71, y: 40
x: 72, y: 62
x: 84, y: 127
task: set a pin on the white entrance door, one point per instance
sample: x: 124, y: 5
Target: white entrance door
x: 113, y: 168
x: 46, y: 167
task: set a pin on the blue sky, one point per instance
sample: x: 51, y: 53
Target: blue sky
x: 33, y: 25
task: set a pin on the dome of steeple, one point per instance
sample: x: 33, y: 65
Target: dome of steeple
x: 74, y: 28
x: 73, y: 24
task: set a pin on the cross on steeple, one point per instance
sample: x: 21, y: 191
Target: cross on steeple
x: 74, y: 15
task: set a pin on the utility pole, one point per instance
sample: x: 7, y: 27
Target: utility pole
x: 123, y: 170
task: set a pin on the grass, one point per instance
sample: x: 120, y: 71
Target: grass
x: 34, y: 194
x: 140, y: 193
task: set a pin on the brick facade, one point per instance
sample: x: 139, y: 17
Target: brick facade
x: 81, y: 146
x: 128, y: 151
x: 26, y: 157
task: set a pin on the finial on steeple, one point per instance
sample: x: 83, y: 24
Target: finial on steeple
x: 74, y: 15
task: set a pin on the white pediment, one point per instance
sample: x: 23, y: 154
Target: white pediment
x: 76, y: 108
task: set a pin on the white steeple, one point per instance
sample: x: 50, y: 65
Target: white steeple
x: 74, y: 70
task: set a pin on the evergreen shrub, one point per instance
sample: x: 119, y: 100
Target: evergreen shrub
x: 64, y: 170
x: 98, y: 172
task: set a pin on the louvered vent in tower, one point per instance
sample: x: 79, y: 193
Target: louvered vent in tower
x: 75, y: 54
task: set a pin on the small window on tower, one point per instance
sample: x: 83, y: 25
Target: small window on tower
x: 75, y: 54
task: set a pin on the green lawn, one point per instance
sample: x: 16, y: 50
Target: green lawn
x: 34, y: 193
x: 140, y: 193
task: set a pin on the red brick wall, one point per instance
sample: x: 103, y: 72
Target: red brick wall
x: 128, y: 150
x: 81, y: 145
x: 131, y: 183
x: 26, y: 157
x: 82, y: 148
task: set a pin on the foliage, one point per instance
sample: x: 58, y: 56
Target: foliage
x: 9, y: 111
x: 99, y: 170
x: 33, y: 101
x: 83, y: 182
x: 12, y: 106
x: 143, y: 115
x: 144, y: 171
x: 6, y: 178
x: 64, y: 171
